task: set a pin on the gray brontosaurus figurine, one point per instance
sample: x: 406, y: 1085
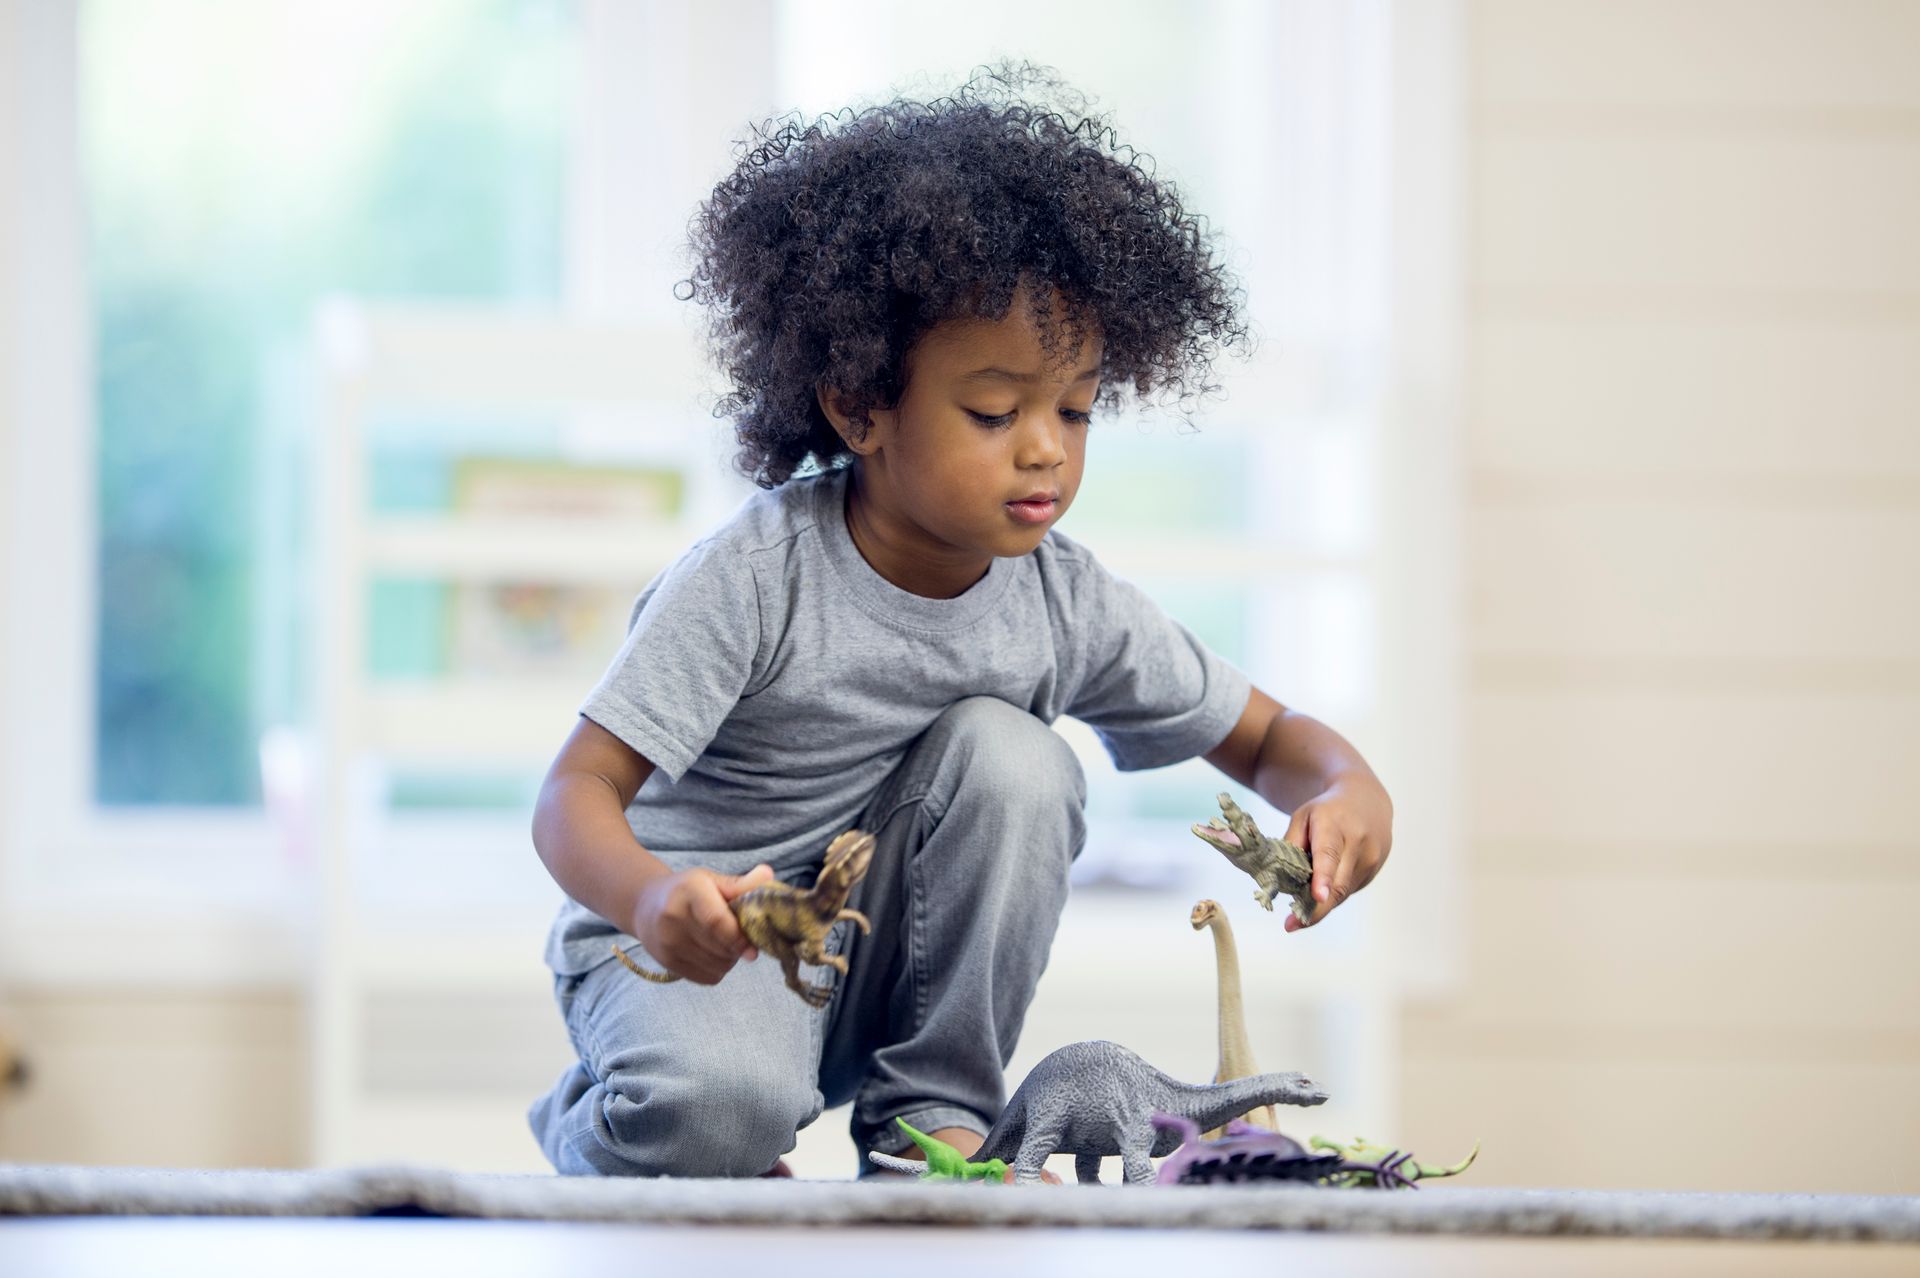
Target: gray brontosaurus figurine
x: 1097, y: 1098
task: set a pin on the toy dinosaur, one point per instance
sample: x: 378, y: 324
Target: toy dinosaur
x: 792, y: 924
x: 1383, y: 1168
x: 943, y: 1160
x: 1097, y: 1098
x: 1236, y: 1053
x: 1246, y: 1153
x: 1278, y: 867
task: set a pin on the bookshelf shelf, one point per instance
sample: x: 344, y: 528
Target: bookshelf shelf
x: 388, y: 963
x: 470, y: 720
x: 496, y: 547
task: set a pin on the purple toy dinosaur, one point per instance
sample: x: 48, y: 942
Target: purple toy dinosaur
x: 1246, y: 1152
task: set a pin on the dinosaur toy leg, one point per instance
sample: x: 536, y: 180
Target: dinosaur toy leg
x: 1086, y: 1168
x: 1035, y: 1149
x: 816, y: 952
x: 815, y: 995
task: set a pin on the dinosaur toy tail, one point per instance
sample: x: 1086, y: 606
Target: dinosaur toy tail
x: 658, y: 978
x: 1427, y: 1173
x: 893, y: 1163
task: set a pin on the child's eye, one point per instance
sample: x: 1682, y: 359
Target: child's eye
x: 1006, y: 419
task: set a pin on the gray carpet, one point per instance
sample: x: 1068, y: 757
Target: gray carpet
x: 401, y: 1190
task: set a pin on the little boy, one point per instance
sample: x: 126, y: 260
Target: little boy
x: 925, y: 302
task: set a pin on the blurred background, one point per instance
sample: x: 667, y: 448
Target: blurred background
x: 345, y: 405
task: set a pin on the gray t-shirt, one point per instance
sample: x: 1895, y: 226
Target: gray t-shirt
x: 774, y: 680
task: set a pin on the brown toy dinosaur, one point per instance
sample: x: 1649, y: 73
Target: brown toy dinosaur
x: 792, y: 924
x: 1236, y: 1053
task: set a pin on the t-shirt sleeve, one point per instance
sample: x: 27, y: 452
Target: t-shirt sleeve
x: 689, y: 654
x: 1149, y: 688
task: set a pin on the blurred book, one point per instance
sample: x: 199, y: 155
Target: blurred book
x: 540, y: 629
x: 525, y: 486
x: 533, y: 629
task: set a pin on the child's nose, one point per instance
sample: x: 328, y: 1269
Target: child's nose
x: 1042, y: 442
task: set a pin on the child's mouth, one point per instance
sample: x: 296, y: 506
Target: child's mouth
x: 1033, y: 512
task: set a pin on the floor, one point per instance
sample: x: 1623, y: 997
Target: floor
x: 116, y: 1247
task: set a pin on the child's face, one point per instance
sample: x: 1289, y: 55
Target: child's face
x: 973, y: 462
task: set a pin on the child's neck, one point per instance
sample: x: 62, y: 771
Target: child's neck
x: 897, y: 550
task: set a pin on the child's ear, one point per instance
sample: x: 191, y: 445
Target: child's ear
x: 863, y: 440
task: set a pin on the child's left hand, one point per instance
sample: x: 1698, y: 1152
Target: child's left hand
x: 1348, y: 828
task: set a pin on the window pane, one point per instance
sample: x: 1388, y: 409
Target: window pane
x: 242, y: 161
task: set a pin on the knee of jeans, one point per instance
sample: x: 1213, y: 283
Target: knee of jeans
x: 715, y: 1118
x: 1014, y: 753
x: 1022, y: 768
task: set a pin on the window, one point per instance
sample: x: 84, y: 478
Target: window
x: 240, y: 162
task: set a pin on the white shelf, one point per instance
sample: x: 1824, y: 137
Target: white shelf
x: 469, y: 720
x: 509, y: 358
x: 378, y: 945
x: 585, y: 550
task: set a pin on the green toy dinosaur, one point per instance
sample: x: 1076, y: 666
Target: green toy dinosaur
x: 943, y: 1160
x: 1376, y: 1166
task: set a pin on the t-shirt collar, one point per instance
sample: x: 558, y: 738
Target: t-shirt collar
x: 878, y: 595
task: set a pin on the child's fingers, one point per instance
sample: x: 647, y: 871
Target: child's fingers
x: 1297, y: 827
x: 687, y: 956
x: 716, y: 930
x: 1332, y: 869
x: 733, y: 885
x: 1297, y: 834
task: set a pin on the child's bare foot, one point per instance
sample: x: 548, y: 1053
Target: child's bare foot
x: 779, y: 1171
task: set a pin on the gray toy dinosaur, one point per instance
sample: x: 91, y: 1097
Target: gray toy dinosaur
x: 1097, y: 1098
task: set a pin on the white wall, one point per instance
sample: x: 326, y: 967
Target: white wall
x: 1693, y: 601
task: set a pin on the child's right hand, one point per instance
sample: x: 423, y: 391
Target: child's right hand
x: 686, y: 921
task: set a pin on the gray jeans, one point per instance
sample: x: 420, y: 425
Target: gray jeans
x: 975, y: 831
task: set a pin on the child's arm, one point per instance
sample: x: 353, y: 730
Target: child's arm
x: 1340, y: 811
x: 580, y: 830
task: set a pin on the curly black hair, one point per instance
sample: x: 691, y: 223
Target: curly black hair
x: 835, y: 245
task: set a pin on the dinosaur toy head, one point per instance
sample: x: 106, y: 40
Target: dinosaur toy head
x: 848, y: 857
x: 1204, y: 912
x: 1216, y: 832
